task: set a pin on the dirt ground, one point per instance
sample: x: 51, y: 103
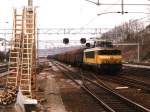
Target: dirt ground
x: 73, y: 98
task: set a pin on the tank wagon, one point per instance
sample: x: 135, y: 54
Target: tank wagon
x: 106, y: 59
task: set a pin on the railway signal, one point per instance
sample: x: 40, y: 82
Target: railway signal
x: 66, y: 41
x: 88, y: 45
x: 83, y: 40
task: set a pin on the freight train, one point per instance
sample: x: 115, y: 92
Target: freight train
x: 98, y: 58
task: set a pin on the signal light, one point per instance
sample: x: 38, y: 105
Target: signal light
x: 65, y: 40
x: 83, y: 40
x: 88, y: 45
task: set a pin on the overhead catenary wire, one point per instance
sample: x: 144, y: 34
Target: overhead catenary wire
x: 122, y: 12
x: 95, y: 17
x: 119, y: 4
x: 110, y: 6
x: 98, y: 3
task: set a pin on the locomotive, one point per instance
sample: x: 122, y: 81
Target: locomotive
x: 102, y: 57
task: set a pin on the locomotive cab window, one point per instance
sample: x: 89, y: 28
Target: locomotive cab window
x: 109, y: 52
x: 90, y: 54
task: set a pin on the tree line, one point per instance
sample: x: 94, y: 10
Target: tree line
x: 127, y: 31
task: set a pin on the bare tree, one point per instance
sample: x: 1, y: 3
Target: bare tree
x: 127, y: 30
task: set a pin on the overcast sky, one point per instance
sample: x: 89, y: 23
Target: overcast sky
x: 73, y: 13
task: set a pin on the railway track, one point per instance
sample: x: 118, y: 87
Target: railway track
x: 3, y: 74
x: 3, y: 68
x: 138, y: 72
x: 128, y: 82
x: 109, y: 99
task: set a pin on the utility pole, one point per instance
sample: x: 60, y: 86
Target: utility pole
x: 98, y: 3
x: 5, y: 52
x: 138, y: 52
x: 122, y: 7
x: 30, y: 3
x: 37, y: 46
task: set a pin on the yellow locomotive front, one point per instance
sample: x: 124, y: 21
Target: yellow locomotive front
x: 103, y: 58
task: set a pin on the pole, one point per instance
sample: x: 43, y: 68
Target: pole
x: 138, y: 52
x: 37, y: 52
x: 122, y: 7
x: 98, y: 3
x: 30, y: 3
x: 5, y: 51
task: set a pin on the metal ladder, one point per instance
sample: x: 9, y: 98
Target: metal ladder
x: 14, y: 58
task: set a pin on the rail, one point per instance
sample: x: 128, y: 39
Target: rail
x: 137, y: 66
x: 109, y: 99
x: 3, y: 70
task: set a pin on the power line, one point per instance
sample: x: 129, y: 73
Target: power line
x: 141, y: 18
x: 120, y: 4
x: 124, y: 4
x: 122, y: 12
x: 98, y: 3
x: 110, y: 6
x: 94, y: 18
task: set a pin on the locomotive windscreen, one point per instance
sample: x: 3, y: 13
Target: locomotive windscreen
x: 90, y: 54
x: 109, y: 52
